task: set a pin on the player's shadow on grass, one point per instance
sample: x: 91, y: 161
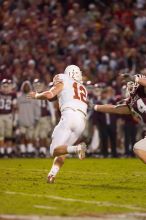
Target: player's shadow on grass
x: 112, y: 187
x: 105, y: 186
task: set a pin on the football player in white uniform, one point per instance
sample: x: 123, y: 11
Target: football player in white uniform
x: 72, y: 98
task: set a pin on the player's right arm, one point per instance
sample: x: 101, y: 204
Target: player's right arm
x: 51, y: 93
x: 47, y: 95
x: 115, y: 109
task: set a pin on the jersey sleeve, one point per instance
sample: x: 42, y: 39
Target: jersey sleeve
x: 59, y: 78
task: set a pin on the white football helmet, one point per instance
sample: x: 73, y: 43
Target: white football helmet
x: 74, y: 72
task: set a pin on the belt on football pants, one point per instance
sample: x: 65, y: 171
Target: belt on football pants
x: 75, y: 110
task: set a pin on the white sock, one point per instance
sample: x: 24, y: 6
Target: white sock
x: 22, y: 148
x: 43, y: 150
x: 2, y: 150
x: 9, y: 150
x: 30, y: 148
x: 54, y: 170
x: 72, y: 149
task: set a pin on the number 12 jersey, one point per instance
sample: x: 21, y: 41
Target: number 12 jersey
x: 73, y: 95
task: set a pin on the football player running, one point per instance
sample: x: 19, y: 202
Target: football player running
x: 72, y: 98
x: 135, y: 104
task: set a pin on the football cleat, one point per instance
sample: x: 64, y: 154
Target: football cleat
x: 50, y: 179
x: 81, y: 150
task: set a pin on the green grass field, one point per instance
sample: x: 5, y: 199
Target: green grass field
x: 89, y: 187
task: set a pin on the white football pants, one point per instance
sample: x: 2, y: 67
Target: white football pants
x: 68, y: 130
x: 141, y: 145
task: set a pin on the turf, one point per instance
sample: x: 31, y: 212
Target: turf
x: 92, y: 187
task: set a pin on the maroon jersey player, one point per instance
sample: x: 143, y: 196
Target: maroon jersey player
x: 137, y: 102
x: 7, y: 109
x: 7, y: 98
x: 135, y: 105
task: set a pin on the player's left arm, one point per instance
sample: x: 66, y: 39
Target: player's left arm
x: 113, y: 109
x: 47, y: 95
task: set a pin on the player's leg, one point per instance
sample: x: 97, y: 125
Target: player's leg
x: 37, y: 136
x: 58, y: 149
x: 2, y: 134
x: 30, y: 142
x: 70, y: 138
x: 56, y: 166
x: 59, y: 161
x: 70, y: 122
x: 45, y: 129
x: 140, y: 149
x: 8, y: 135
x: 22, y: 141
x: 60, y: 136
x: 73, y: 149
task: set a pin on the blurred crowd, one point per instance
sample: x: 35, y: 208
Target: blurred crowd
x: 39, y: 38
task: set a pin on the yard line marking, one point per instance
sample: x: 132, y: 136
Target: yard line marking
x: 123, y: 216
x: 44, y: 207
x: 98, y: 203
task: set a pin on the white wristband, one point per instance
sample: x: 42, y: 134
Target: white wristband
x: 36, y: 95
x: 95, y: 107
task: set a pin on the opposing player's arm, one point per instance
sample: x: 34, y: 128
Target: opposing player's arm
x: 47, y: 95
x: 115, y: 109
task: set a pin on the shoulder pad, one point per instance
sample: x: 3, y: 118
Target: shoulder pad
x: 59, y: 78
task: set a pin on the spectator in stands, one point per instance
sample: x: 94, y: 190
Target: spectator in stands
x: 38, y: 38
x: 42, y: 32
